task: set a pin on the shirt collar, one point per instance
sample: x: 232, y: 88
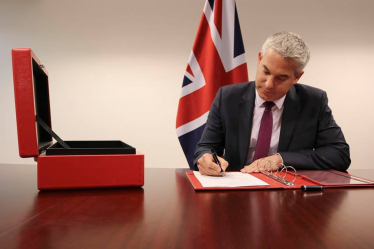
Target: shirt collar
x: 279, y: 102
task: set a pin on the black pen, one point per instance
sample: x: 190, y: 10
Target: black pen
x: 217, y: 161
x: 306, y: 187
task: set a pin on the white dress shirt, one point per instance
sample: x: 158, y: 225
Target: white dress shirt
x: 258, y: 111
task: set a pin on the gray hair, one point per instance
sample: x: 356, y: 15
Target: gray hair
x: 289, y: 45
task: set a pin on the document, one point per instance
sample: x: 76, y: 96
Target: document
x: 231, y: 179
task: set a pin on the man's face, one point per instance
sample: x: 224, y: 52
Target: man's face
x: 275, y: 75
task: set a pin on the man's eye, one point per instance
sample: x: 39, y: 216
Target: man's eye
x: 266, y: 72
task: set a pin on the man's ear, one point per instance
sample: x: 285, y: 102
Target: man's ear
x: 259, y: 58
x: 298, y: 77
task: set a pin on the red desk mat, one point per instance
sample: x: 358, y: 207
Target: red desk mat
x: 273, y: 184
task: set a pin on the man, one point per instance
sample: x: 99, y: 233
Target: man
x: 274, y: 120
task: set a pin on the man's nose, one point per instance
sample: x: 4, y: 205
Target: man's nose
x: 269, y: 82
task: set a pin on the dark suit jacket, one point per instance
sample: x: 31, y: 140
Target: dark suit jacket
x: 309, y: 137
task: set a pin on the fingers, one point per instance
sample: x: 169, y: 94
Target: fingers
x: 260, y: 165
x: 224, y: 163
x: 207, y: 166
x: 250, y: 168
x: 208, y: 171
x: 202, y: 170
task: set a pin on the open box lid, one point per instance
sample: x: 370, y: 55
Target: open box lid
x: 31, y: 94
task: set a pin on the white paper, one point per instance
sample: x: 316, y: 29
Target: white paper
x: 231, y: 179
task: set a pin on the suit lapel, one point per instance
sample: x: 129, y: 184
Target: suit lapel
x: 245, y: 121
x: 290, y: 113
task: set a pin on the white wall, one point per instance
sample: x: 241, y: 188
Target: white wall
x: 116, y: 67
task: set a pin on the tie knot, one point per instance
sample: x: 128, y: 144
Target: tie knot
x: 268, y: 105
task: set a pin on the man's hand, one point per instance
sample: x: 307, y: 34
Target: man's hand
x: 207, y: 166
x: 273, y: 162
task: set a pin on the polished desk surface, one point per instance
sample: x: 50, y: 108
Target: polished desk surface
x: 168, y: 213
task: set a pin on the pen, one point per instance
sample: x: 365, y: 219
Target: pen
x: 217, y: 161
x: 306, y: 187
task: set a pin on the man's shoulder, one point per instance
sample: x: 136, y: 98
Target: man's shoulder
x: 237, y: 92
x: 236, y: 86
x: 302, y: 89
x: 237, y: 89
x: 307, y: 95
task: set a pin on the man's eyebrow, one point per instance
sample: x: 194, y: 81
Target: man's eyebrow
x: 284, y: 75
x: 281, y: 75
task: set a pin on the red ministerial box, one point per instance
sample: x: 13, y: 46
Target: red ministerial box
x: 65, y: 164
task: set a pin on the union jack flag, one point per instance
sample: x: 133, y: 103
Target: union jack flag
x: 217, y: 59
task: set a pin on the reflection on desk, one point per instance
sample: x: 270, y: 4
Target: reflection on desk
x: 168, y: 213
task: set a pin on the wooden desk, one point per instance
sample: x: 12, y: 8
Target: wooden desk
x: 168, y: 213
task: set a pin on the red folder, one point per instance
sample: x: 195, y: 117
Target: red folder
x: 303, y: 178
